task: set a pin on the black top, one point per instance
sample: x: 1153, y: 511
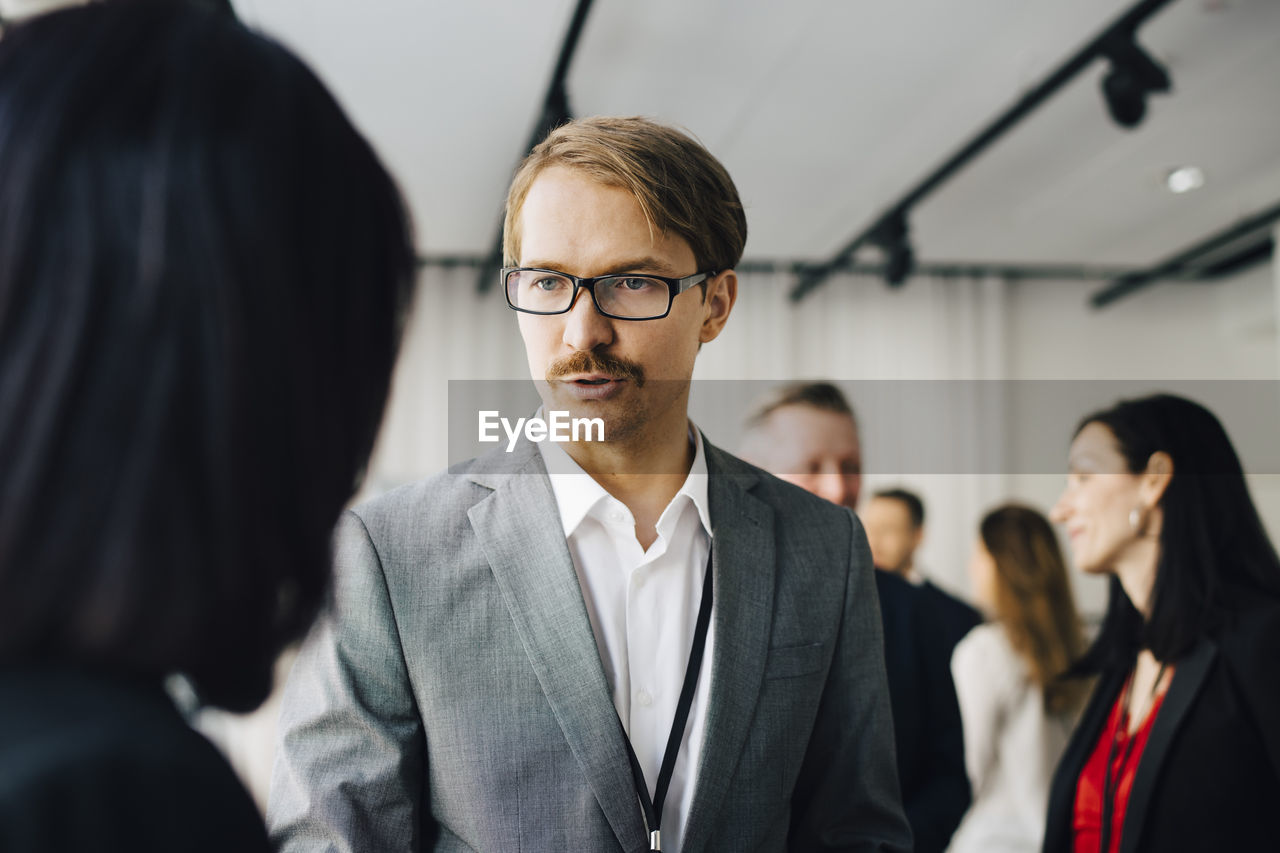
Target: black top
x: 956, y: 619
x: 921, y: 628
x: 93, y: 763
x: 1209, y: 777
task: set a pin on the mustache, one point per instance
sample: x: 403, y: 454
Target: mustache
x: 596, y: 362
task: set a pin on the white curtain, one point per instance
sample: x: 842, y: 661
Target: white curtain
x: 454, y: 333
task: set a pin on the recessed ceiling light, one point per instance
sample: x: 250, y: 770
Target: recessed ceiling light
x: 1184, y: 179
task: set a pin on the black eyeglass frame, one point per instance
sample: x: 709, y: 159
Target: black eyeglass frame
x: 675, y: 287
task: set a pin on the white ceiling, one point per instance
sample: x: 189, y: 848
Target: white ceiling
x: 825, y: 112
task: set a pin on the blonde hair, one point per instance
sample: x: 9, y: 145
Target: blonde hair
x: 679, y: 186
x: 823, y: 396
x: 1033, y: 601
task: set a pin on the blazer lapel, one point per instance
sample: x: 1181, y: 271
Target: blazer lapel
x: 1062, y: 796
x: 1187, y: 681
x: 743, y: 564
x: 521, y: 534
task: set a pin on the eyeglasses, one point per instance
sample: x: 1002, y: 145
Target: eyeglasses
x: 622, y: 297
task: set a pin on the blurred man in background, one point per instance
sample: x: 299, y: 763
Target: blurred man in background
x: 807, y: 434
x: 894, y: 521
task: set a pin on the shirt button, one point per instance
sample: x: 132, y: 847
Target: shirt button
x: 616, y: 515
x: 644, y: 699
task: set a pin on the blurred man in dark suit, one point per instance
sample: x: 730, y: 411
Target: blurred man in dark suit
x: 807, y: 433
x: 894, y: 520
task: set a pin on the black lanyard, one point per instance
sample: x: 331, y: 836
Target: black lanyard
x: 651, y: 809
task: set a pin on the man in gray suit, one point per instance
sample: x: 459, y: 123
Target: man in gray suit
x: 632, y: 644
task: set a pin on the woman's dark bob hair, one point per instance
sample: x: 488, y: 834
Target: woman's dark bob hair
x: 1214, y: 560
x: 204, y: 271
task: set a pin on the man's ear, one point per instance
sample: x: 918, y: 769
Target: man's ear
x: 722, y: 293
x: 1154, y: 481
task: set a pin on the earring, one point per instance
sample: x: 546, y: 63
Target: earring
x: 1135, y: 520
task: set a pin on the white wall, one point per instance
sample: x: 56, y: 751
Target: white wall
x: 1222, y: 330
x: 1160, y: 337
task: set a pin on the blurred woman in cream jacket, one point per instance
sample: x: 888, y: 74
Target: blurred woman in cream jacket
x: 1017, y: 715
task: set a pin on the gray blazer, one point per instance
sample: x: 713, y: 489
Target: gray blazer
x: 454, y: 698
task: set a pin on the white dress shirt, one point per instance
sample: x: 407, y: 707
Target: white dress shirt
x: 643, y: 606
x: 1011, y: 746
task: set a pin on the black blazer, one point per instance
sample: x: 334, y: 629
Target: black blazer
x: 1209, y: 777
x: 955, y: 618
x: 918, y: 641
x: 96, y: 764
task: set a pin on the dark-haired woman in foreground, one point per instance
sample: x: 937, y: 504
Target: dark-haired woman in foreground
x: 203, y: 271
x: 1179, y: 748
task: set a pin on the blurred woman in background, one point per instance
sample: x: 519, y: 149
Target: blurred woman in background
x: 203, y: 274
x: 1179, y: 747
x: 1016, y: 711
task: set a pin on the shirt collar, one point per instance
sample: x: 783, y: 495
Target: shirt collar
x: 577, y: 493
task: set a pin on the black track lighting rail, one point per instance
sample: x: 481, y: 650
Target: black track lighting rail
x: 1121, y: 30
x: 1227, y: 253
x: 1247, y: 241
x: 555, y: 112
x: 768, y: 266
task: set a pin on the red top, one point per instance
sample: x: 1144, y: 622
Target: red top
x: 1086, y: 822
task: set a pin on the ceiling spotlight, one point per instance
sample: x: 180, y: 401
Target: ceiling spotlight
x: 899, y: 265
x: 892, y: 239
x: 1132, y: 77
x: 1184, y: 179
